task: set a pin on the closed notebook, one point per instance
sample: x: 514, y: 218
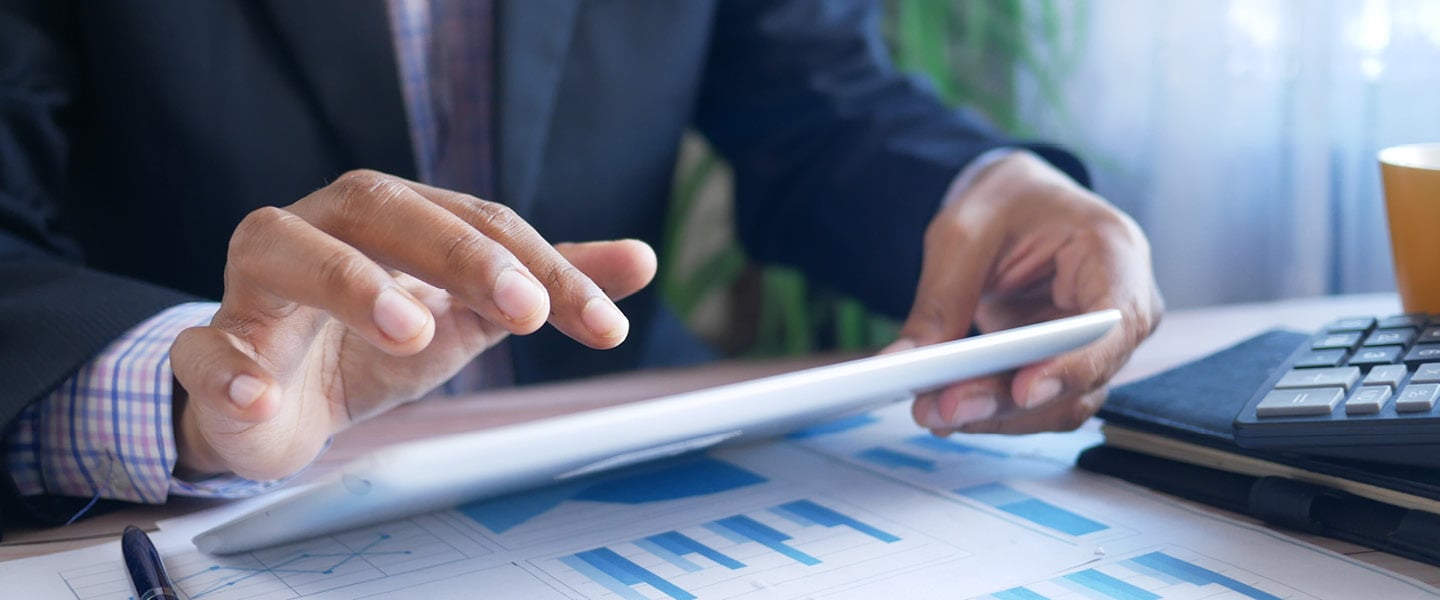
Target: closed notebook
x: 1172, y: 432
x: 1196, y: 403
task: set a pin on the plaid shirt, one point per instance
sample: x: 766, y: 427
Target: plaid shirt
x: 108, y: 431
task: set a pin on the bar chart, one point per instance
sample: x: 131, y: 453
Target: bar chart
x: 886, y: 441
x: 1162, y: 574
x: 732, y: 555
x: 969, y: 472
x: 1032, y: 509
x: 691, y: 477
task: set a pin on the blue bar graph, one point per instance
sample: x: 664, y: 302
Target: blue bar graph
x: 710, y: 549
x: 1017, y: 594
x: 1111, y: 587
x: 680, y: 544
x: 617, y: 573
x: 1163, y: 574
x: 802, y: 511
x: 1197, y: 575
x: 949, y: 446
x: 895, y: 459
x: 741, y: 527
x: 688, y: 477
x: 601, y: 577
x: 1031, y: 509
x: 679, y: 560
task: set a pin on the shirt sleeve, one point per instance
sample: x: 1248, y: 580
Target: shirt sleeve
x: 108, y: 430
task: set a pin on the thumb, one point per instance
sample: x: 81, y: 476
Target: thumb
x: 957, y: 264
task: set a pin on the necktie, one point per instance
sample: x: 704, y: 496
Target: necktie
x: 462, y: 82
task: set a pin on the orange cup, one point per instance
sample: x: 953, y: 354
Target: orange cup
x: 1411, y: 175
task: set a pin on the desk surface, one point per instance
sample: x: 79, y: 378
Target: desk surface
x: 1184, y: 335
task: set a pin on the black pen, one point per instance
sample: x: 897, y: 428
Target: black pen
x: 146, y: 570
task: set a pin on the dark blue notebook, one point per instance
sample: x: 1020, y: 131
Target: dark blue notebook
x: 1197, y: 403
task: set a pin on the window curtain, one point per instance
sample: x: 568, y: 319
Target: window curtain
x: 1242, y: 134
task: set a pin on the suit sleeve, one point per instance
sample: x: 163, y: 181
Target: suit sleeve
x: 840, y: 160
x: 55, y: 314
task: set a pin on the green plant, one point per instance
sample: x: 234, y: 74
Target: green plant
x: 972, y: 52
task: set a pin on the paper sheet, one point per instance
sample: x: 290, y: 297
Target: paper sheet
x: 861, y: 508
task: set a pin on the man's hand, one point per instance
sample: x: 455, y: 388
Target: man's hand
x: 1025, y: 244
x: 368, y: 293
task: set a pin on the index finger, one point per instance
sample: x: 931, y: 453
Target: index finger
x: 579, y: 308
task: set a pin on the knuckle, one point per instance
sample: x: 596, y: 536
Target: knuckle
x: 493, y: 216
x: 254, y: 235
x: 359, y: 179
x: 257, y: 226
x: 464, y: 254
x: 359, y: 197
x: 340, y: 269
x: 200, y: 362
x: 561, y: 274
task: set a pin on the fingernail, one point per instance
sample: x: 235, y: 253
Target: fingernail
x: 603, y: 319
x: 398, y: 317
x: 1042, y: 391
x: 899, y: 345
x: 518, y: 296
x: 244, y: 390
x: 974, y: 408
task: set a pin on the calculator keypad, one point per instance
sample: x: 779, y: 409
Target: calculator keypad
x: 1365, y: 365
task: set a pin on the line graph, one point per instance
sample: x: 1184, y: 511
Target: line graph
x: 214, y: 579
x: 298, y: 570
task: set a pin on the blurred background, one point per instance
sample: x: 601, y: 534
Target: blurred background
x: 1240, y: 134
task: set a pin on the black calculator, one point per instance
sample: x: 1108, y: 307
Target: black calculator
x: 1363, y: 388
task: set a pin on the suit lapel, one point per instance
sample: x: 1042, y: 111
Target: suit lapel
x: 534, y: 40
x: 345, y: 59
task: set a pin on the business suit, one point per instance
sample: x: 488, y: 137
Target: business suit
x: 137, y: 134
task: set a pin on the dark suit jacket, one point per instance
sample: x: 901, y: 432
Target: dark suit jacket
x: 135, y: 134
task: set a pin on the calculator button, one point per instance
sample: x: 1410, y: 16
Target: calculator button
x: 1368, y: 401
x: 1390, y: 337
x: 1427, y: 373
x: 1309, y: 402
x: 1431, y: 335
x: 1423, y: 353
x: 1343, y: 341
x: 1378, y: 355
x: 1342, y: 377
x: 1406, y: 320
x: 1417, y: 397
x: 1322, y: 358
x: 1390, y: 375
x: 1351, y: 324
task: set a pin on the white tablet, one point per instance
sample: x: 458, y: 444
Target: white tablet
x: 446, y: 471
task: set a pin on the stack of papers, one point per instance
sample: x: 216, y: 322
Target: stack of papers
x: 865, y: 507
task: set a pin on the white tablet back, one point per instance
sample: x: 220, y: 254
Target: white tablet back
x: 446, y: 471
